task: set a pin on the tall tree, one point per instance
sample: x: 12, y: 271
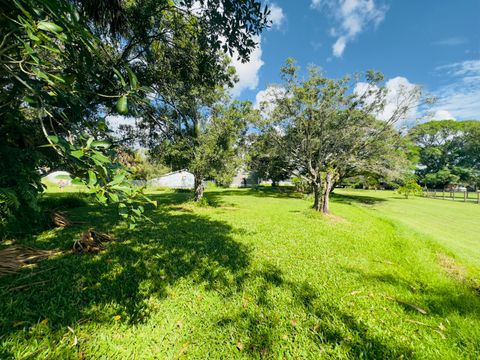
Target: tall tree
x: 267, y: 158
x: 331, y: 132
x: 65, y: 64
x: 206, y: 139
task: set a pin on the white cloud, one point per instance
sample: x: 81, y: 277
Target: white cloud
x: 400, y: 92
x: 264, y: 100
x: 451, y: 41
x: 248, y: 72
x: 461, y: 96
x: 464, y: 68
x: 351, y: 17
x: 277, y: 17
x: 114, y: 122
x: 339, y: 46
x: 443, y: 115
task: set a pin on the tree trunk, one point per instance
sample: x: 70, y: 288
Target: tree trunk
x: 198, y: 187
x: 274, y: 183
x: 325, y: 206
x: 317, y: 191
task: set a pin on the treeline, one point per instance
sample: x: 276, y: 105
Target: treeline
x: 447, y: 153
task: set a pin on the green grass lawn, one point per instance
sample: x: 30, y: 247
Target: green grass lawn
x: 453, y: 224
x: 255, y: 275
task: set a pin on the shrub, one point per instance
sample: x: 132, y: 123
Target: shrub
x: 410, y: 187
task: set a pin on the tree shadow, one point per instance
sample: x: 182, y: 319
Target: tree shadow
x: 329, y: 325
x: 356, y: 199
x: 140, y: 264
x: 438, y: 300
x: 281, y: 192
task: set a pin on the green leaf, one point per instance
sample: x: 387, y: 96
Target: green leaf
x: 53, y: 138
x: 32, y: 36
x: 98, y: 156
x: 118, y: 179
x: 49, y: 26
x: 113, y: 196
x: 77, y: 154
x: 122, y: 105
x: 102, y: 199
x: 92, y: 178
x: 122, y: 80
x: 77, y: 181
x: 89, y: 142
x: 101, y: 144
x: 133, y: 78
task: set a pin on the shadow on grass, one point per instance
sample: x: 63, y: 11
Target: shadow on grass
x: 140, y: 264
x: 437, y: 300
x: 281, y: 192
x: 329, y: 327
x: 356, y: 199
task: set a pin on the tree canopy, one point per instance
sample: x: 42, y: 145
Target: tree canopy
x: 331, y: 132
x: 67, y: 64
x: 448, y: 152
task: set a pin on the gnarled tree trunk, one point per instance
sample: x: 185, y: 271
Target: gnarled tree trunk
x: 327, y: 189
x: 317, y: 192
x: 198, y: 187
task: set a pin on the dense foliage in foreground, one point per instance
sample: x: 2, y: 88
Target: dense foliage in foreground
x: 255, y: 274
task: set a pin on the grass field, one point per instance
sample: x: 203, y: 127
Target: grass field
x: 256, y: 274
x: 455, y: 225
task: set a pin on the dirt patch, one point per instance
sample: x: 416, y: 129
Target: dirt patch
x: 330, y: 218
x: 335, y: 218
x: 457, y: 271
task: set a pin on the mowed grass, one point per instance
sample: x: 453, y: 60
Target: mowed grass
x: 255, y: 275
x: 454, y: 224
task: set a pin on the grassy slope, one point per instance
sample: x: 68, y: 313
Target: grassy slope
x: 454, y: 224
x: 258, y: 275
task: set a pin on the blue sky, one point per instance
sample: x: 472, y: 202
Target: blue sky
x: 433, y: 43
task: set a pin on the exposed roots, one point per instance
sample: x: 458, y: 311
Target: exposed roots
x: 14, y: 258
x: 91, y: 241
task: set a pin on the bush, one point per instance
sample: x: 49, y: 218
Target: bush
x: 410, y: 187
x: 301, y: 185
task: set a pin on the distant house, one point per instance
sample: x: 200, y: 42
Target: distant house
x: 244, y: 178
x: 181, y: 179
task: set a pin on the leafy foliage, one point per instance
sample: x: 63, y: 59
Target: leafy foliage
x: 207, y: 139
x: 267, y: 157
x: 93, y: 165
x: 448, y: 152
x: 66, y: 65
x: 410, y: 188
x: 330, y: 132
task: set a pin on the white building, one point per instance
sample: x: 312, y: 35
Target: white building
x: 181, y: 179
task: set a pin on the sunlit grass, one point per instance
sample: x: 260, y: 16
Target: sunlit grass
x: 256, y: 274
